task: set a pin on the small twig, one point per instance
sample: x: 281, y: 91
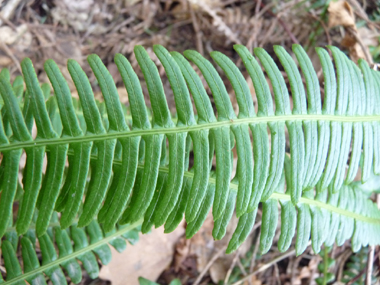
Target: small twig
x: 356, y: 278
x: 360, y: 12
x: 266, y: 266
x: 198, y: 34
x: 371, y: 254
x: 288, y: 31
x: 282, y: 9
x: 218, y: 22
x: 364, y: 5
x: 9, y: 23
x: 344, y: 256
x: 208, y: 265
x: 268, y: 33
x: 6, y: 49
x: 367, y: 55
x: 276, y: 274
x: 315, y: 268
x: 231, y: 267
x: 255, y: 251
x: 257, y: 7
x: 122, y: 24
x: 175, y: 26
x: 353, y: 280
x: 294, y: 268
x: 9, y: 9
x: 329, y: 42
x: 241, y: 267
x: 252, y: 38
x: 282, y: 23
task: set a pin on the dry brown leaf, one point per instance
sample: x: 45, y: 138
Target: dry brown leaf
x: 217, y: 20
x: 147, y: 258
x: 356, y: 52
x: 305, y: 272
x: 341, y: 14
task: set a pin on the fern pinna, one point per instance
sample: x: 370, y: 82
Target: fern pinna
x: 119, y: 173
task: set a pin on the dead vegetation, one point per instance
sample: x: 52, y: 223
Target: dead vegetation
x: 63, y: 29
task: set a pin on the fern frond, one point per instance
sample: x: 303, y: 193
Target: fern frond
x: 324, y: 267
x: 323, y: 218
x: 85, y: 245
x: 354, y: 269
x: 124, y: 158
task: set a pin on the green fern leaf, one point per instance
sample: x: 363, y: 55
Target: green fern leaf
x: 127, y: 168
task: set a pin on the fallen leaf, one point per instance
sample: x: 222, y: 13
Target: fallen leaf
x: 305, y: 272
x: 341, y: 14
x: 148, y: 258
x: 356, y: 52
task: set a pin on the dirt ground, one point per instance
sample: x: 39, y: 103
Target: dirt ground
x: 63, y: 29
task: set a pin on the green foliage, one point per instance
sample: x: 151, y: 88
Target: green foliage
x: 73, y: 244
x: 317, y: 27
x: 375, y: 52
x: 355, y: 265
x: 144, y: 281
x: 324, y: 266
x: 135, y: 169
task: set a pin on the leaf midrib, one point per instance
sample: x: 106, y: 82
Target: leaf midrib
x: 233, y: 187
x: 286, y: 197
x: 179, y: 129
x: 278, y: 196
